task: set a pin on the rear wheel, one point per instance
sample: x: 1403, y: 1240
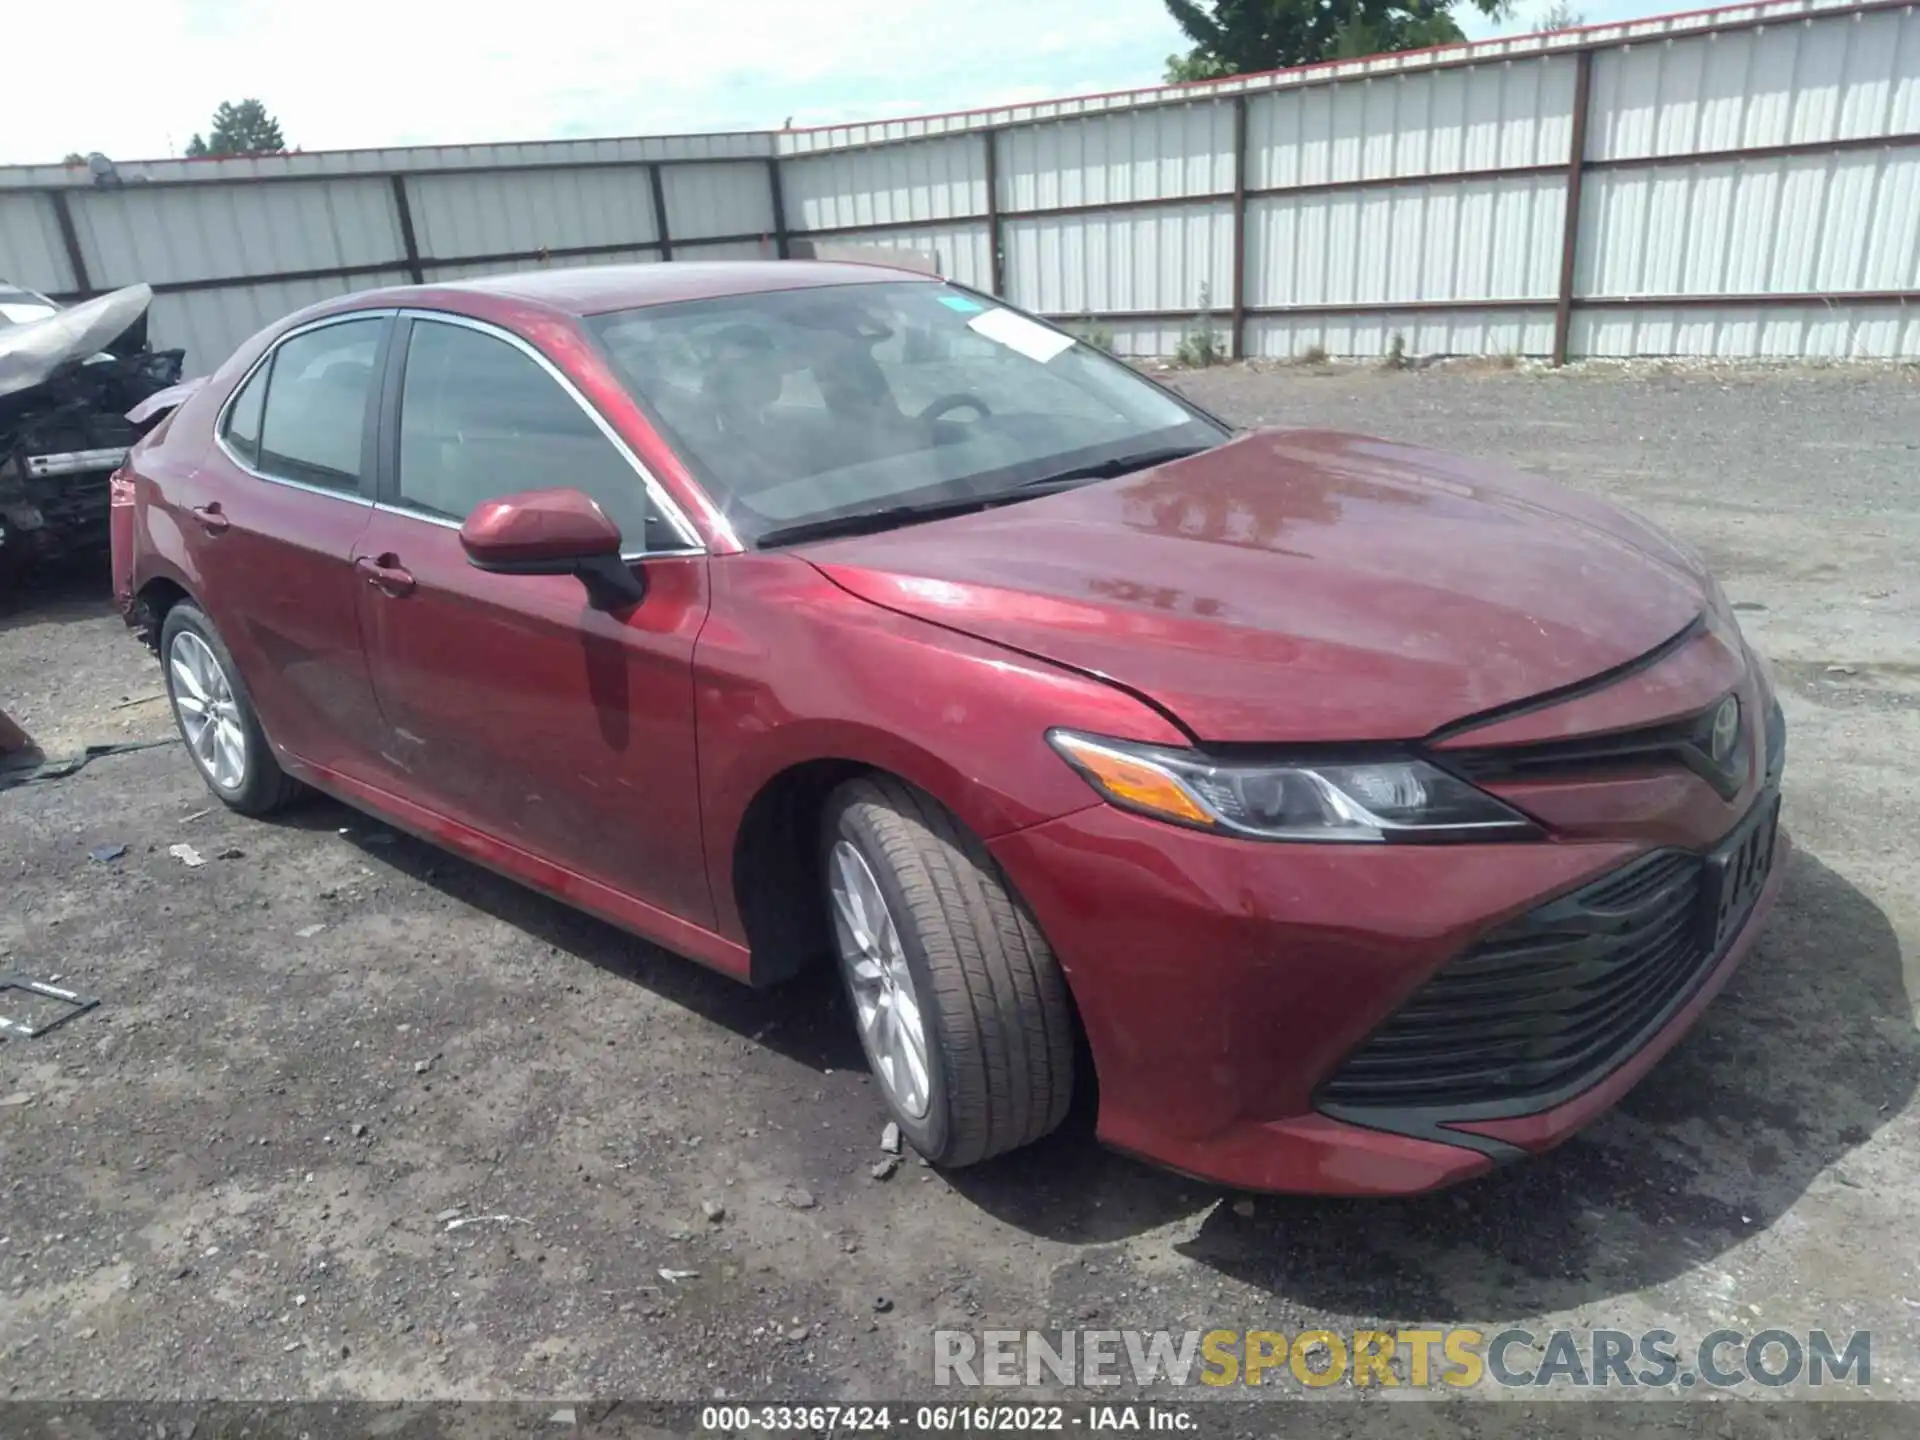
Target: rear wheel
x: 216, y: 718
x: 960, y: 1005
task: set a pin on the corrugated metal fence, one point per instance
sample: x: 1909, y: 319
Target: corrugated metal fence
x: 1739, y: 182
x: 230, y: 245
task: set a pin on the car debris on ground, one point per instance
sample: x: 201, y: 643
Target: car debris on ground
x: 74, y: 1005
x: 466, y: 1220
x: 77, y: 388
x: 27, y: 765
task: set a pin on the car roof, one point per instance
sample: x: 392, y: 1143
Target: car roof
x: 595, y: 289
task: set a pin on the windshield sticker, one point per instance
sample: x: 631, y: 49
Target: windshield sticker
x: 962, y: 304
x: 1020, y: 334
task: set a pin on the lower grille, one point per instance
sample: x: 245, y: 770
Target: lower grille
x: 1545, y: 1002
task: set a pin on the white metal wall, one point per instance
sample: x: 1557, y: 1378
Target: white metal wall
x: 1426, y: 197
x: 903, y: 197
x: 232, y: 245
x: 1748, y: 184
x: 1824, y: 225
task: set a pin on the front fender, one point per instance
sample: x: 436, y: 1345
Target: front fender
x: 792, y: 670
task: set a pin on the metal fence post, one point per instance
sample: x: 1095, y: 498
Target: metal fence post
x: 70, y: 239
x: 997, y: 260
x: 1238, y: 346
x: 660, y: 210
x: 1570, y: 223
x: 403, y: 212
x: 781, y: 246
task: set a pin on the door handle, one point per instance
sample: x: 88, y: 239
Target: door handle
x: 212, y: 519
x: 386, y: 574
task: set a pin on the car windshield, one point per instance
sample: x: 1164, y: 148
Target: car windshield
x: 797, y: 408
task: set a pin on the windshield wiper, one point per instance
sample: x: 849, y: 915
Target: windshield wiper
x: 866, y: 522
x: 1117, y: 466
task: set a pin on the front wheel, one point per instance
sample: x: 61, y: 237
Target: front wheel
x: 960, y: 1005
x: 216, y: 718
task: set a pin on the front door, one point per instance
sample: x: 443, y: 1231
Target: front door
x: 514, y: 707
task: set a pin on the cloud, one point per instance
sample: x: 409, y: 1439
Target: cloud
x: 138, y: 77
x: 380, y: 72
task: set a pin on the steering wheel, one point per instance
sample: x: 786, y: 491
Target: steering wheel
x: 959, y: 400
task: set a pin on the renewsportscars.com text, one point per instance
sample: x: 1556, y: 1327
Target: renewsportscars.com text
x: 1458, y: 1357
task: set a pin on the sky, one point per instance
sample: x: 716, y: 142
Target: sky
x: 352, y: 73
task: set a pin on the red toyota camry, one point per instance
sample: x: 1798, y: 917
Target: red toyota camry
x: 1376, y: 816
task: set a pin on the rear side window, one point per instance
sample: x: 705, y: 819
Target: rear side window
x: 316, y: 405
x: 243, y: 419
x: 479, y: 419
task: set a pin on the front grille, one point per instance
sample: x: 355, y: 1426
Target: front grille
x: 1687, y: 742
x: 1546, y: 1004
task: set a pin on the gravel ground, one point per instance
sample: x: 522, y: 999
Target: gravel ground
x: 356, y: 1119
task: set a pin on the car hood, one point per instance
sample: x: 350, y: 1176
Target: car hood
x: 1299, y: 585
x: 30, y: 353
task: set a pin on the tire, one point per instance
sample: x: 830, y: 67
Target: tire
x: 200, y: 674
x: 995, y: 1018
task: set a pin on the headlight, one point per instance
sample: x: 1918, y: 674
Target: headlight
x: 1393, y: 799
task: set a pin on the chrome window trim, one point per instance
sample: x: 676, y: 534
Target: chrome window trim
x: 358, y: 497
x: 655, y: 491
x: 424, y: 516
x: 446, y: 522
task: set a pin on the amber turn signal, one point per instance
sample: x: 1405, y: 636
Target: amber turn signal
x: 1129, y: 781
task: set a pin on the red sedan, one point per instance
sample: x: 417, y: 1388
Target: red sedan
x: 1374, y: 815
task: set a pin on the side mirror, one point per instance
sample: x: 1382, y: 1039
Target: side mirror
x: 553, y: 532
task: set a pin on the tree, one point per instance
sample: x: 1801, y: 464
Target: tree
x: 1237, y: 37
x: 74, y: 157
x: 243, y: 129
x: 1560, y: 16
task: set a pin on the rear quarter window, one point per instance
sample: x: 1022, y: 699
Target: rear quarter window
x: 242, y: 428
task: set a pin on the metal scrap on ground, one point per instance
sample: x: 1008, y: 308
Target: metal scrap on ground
x: 25, y: 767
x: 75, y: 1005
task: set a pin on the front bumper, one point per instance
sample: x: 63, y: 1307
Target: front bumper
x: 1222, y: 983
x: 56, y: 505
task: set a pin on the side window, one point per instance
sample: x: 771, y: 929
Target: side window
x: 479, y: 419
x: 316, y: 404
x: 243, y: 419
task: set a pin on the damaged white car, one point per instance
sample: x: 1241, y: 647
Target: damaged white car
x: 68, y: 378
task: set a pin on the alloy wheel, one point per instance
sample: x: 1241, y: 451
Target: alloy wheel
x: 209, y: 711
x: 886, y: 1005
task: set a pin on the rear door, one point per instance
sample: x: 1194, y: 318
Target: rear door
x: 270, y: 522
x: 565, y: 731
